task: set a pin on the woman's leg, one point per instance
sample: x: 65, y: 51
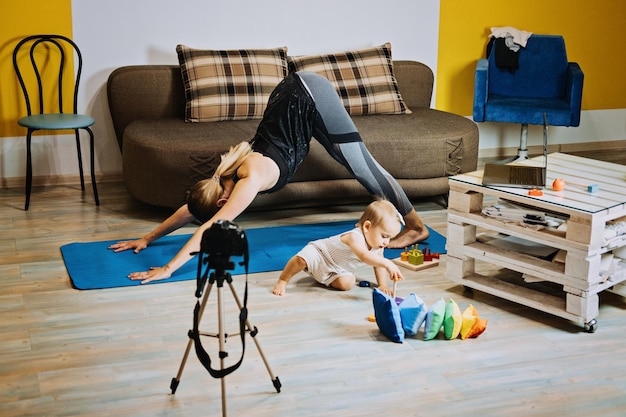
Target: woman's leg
x: 336, y: 131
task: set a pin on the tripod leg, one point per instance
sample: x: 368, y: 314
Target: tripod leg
x: 176, y: 380
x: 253, y: 332
x: 222, y: 341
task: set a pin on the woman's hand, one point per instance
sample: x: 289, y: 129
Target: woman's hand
x: 136, y: 245
x: 154, y: 274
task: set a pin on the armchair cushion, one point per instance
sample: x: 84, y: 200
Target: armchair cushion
x: 545, y: 82
x: 541, y: 73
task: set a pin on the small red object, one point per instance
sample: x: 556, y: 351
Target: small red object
x: 535, y: 192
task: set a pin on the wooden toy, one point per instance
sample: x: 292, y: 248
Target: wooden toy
x: 415, y: 260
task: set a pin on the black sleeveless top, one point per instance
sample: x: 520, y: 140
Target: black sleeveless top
x: 286, y: 129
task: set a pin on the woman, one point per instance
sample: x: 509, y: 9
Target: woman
x: 303, y: 105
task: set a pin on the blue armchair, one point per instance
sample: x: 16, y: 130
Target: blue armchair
x: 544, y: 83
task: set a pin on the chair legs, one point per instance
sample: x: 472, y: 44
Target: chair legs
x: 29, y: 169
x: 93, y: 166
x: 80, y: 160
x: 522, y: 151
x: 29, y: 165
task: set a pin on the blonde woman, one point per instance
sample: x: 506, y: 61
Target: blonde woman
x: 303, y: 105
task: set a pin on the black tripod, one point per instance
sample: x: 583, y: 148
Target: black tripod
x: 219, y: 277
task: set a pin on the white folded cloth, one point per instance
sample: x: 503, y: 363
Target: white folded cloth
x: 520, y: 37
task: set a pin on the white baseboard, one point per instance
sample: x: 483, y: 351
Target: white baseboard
x: 609, y: 145
x: 20, y: 182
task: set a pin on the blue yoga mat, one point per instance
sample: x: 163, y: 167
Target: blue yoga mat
x: 92, y: 266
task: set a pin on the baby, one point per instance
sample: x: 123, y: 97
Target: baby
x: 331, y: 261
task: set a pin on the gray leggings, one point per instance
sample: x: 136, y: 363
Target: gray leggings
x: 336, y: 131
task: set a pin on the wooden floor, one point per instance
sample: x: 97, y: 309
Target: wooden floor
x: 65, y: 352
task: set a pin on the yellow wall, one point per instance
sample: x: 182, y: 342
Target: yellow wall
x: 17, y: 20
x: 593, y: 32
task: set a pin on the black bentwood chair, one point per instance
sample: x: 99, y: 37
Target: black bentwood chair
x: 44, y: 74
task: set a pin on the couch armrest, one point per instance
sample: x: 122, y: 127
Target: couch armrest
x: 480, y: 89
x: 138, y: 92
x: 574, y: 92
x: 415, y: 82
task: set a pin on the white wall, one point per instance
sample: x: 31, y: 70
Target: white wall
x: 114, y: 33
x: 595, y: 126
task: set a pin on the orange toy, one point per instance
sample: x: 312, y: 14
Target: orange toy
x: 558, y: 184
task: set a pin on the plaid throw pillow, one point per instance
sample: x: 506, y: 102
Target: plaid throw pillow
x: 364, y: 79
x: 229, y: 84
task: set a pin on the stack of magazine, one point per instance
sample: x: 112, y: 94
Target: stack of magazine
x: 507, y: 211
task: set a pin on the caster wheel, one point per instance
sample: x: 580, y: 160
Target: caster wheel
x: 591, y: 326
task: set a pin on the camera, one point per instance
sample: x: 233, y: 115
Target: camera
x: 224, y: 239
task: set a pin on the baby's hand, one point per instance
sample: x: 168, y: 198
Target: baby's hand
x: 394, y: 272
x: 385, y: 289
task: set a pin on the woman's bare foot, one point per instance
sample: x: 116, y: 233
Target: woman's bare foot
x: 414, y: 232
x: 408, y: 237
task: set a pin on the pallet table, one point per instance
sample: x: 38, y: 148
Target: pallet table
x: 585, y: 214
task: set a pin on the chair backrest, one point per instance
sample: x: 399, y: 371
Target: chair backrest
x: 542, y: 70
x: 43, y: 65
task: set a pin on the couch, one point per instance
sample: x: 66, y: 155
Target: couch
x: 163, y: 154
